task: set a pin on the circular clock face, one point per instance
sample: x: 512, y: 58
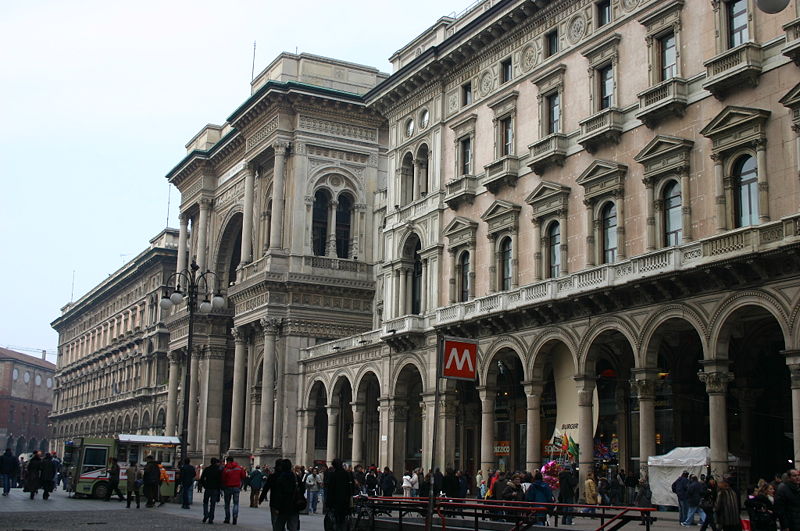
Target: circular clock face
x: 424, y: 118
x: 27, y: 377
x: 15, y: 374
x: 409, y: 127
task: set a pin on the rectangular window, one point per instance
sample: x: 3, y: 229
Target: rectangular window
x: 466, y: 156
x: 505, y: 71
x: 551, y: 43
x: 507, y: 133
x: 553, y: 113
x: 669, y: 57
x: 466, y: 94
x: 737, y: 23
x: 603, y: 12
x: 606, y: 76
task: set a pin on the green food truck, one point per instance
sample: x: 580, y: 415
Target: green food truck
x: 86, y: 460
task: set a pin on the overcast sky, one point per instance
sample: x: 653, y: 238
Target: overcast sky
x: 98, y: 100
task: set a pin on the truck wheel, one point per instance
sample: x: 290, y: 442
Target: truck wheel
x: 100, y: 491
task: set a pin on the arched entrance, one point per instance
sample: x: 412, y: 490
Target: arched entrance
x: 340, y: 420
x: 366, y: 421
x: 408, y: 438
x: 504, y: 380
x: 554, y: 367
x: 318, y: 441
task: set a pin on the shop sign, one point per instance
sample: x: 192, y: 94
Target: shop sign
x: 502, y: 448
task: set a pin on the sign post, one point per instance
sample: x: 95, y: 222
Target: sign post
x: 457, y: 359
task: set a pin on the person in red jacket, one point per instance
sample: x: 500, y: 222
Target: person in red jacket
x: 232, y: 477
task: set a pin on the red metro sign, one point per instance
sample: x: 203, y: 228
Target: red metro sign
x: 459, y: 358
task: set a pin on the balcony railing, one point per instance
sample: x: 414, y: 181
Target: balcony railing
x: 668, y: 98
x: 604, y: 127
x: 740, y: 66
x: 792, y: 47
x: 461, y: 190
x: 332, y: 347
x: 502, y: 172
x: 549, y: 151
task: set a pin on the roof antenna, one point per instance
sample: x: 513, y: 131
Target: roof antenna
x: 253, y: 68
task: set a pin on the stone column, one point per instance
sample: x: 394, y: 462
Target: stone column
x: 194, y: 389
x: 644, y: 385
x: 650, y: 215
x: 763, y: 184
x: 333, y: 434
x: 276, y: 222
x: 270, y: 326
x: 585, y: 388
x: 402, y: 293
x: 415, y: 181
x: 446, y: 451
x: 488, y: 460
x: 182, y: 236
x: 247, y: 222
x: 331, y: 244
x: 423, y: 306
x: 564, y: 247
x: 280, y: 375
x: 533, y: 450
x: 538, y: 268
x: 686, y: 208
x: 384, y: 446
x: 358, y: 434
x: 208, y: 439
x: 793, y: 361
x: 719, y: 192
x: 514, y: 260
x: 172, y: 391
x: 716, y: 377
x: 590, y: 253
x: 202, y: 233
x: 620, y: 203
x: 239, y: 376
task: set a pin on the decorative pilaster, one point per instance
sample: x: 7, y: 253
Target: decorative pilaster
x: 716, y: 377
x: 585, y: 387
x: 270, y: 327
x: 533, y: 451
x: 202, y: 233
x: 488, y: 397
x: 237, y: 399
x: 644, y: 387
x: 247, y: 222
x: 276, y: 225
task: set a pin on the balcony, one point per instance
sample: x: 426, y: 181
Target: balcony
x: 792, y: 47
x: 604, y: 127
x: 663, y: 100
x: 461, y: 190
x: 502, y: 172
x: 549, y: 151
x: 740, y: 66
x: 404, y: 333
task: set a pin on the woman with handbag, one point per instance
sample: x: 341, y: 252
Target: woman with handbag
x: 760, y: 507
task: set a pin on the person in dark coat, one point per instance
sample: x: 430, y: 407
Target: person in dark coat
x: 47, y: 475
x: 211, y: 483
x: 339, y: 489
x: 787, y: 502
x: 388, y: 482
x: 187, y: 472
x: 113, y: 480
x: 450, y: 484
x: 9, y: 470
x: 679, y: 487
x: 438, y: 481
x: 727, y: 508
x: 566, y: 493
x: 151, y: 479
x: 694, y: 495
x: 284, y: 489
x: 707, y: 503
x: 32, y: 474
x: 760, y: 508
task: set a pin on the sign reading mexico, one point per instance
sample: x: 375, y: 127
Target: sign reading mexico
x: 459, y: 358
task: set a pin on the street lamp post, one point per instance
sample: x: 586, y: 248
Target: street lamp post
x: 195, y: 283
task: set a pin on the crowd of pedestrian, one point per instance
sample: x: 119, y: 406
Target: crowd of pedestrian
x: 40, y: 471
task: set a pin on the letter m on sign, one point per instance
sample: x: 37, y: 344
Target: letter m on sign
x: 459, y: 358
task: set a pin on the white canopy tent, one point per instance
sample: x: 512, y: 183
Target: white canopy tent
x: 663, y: 470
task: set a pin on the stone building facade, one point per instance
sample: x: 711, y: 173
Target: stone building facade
x: 112, y: 365
x: 605, y: 195
x: 26, y: 396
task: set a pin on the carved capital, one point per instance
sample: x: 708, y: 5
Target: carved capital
x: 717, y: 158
x: 716, y: 382
x: 644, y: 389
x: 238, y: 334
x: 271, y: 325
x: 281, y: 148
x: 205, y: 203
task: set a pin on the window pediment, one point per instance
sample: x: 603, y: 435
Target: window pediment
x: 461, y: 232
x: 735, y: 126
x: 602, y: 178
x: 501, y: 216
x: 664, y: 155
x: 548, y: 198
x: 604, y: 51
x: 505, y: 104
x: 465, y: 126
x: 551, y: 79
x: 792, y: 101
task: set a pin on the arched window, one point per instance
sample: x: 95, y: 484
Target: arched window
x: 463, y: 280
x: 344, y: 223
x: 505, y: 264
x: 673, y: 222
x: 319, y: 222
x: 554, y: 250
x: 609, y: 227
x: 745, y: 183
x: 407, y: 179
x: 416, y: 282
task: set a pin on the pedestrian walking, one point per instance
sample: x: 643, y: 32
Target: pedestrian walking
x: 186, y: 476
x: 47, y: 475
x: 133, y: 481
x: 256, y: 483
x: 679, y: 487
x: 787, y: 502
x: 708, y: 502
x: 644, y: 498
x: 151, y: 478
x: 313, y: 482
x: 727, y: 508
x: 388, y: 482
x: 211, y: 483
x: 113, y: 480
x: 285, y: 496
x: 590, y: 492
x: 9, y: 470
x: 415, y: 475
x: 631, y: 482
x: 760, y: 507
x: 449, y: 484
x: 566, y: 493
x: 163, y: 478
x: 694, y: 495
x: 233, y: 475
x: 339, y: 487
x: 32, y: 474
x: 407, y: 484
